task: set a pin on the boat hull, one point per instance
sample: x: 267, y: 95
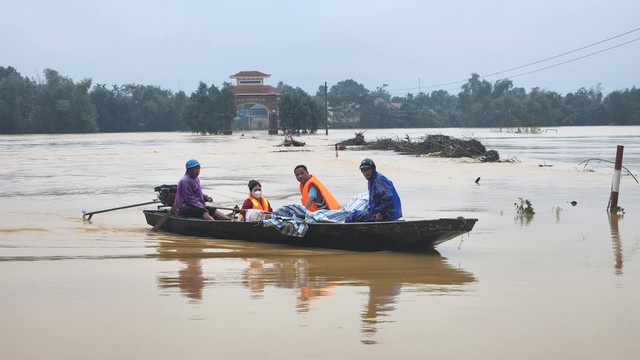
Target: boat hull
x: 410, y: 235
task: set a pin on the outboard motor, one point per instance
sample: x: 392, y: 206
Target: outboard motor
x: 166, y: 194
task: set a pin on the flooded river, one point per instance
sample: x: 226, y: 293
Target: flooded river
x: 562, y: 284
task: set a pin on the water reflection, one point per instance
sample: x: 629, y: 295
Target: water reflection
x: 557, y: 211
x: 382, y: 298
x: 312, y: 275
x: 190, y: 279
x: 523, y: 219
x: 252, y: 278
x: 617, y: 243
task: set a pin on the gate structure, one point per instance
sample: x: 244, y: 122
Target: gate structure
x: 251, y: 90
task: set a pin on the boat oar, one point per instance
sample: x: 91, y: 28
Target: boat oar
x: 166, y: 216
x: 88, y: 215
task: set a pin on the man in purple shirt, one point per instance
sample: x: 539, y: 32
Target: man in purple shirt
x: 189, y: 190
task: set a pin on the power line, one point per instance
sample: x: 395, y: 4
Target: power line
x: 575, y: 59
x: 568, y: 52
x: 540, y: 61
x: 565, y: 62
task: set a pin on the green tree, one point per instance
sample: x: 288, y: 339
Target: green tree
x: 62, y: 106
x: 198, y: 112
x: 475, y: 98
x: 346, y: 100
x: 446, y: 106
x: 299, y: 111
x: 507, y: 111
x: 181, y: 100
x: 16, y: 94
x: 501, y: 88
x: 105, y: 102
x: 225, y: 107
x: 623, y: 107
x: 585, y: 106
x: 543, y: 108
x: 152, y: 107
x: 210, y: 110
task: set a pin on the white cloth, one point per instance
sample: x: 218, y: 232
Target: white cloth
x: 254, y: 215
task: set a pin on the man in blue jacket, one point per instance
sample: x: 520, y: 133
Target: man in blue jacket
x: 384, y: 202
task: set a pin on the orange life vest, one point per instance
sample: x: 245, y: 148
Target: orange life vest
x: 261, y: 204
x: 332, y: 203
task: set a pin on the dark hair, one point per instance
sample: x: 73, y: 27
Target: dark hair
x: 253, y: 183
x: 300, y: 166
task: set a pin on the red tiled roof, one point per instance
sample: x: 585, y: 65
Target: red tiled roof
x: 255, y: 90
x: 249, y: 74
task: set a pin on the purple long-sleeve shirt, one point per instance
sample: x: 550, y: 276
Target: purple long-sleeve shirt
x: 189, y: 189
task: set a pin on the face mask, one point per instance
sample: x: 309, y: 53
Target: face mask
x: 257, y: 194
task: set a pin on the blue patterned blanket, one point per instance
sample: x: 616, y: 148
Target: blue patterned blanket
x: 294, y: 220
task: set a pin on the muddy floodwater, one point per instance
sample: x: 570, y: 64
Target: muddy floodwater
x: 561, y: 284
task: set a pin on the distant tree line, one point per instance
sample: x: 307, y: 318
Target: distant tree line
x: 480, y: 104
x: 57, y: 104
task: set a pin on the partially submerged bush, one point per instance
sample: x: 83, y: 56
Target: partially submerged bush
x: 524, y: 207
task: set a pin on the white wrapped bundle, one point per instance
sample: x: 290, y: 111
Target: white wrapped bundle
x: 254, y: 215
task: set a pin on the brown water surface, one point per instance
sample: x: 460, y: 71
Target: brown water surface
x: 561, y: 284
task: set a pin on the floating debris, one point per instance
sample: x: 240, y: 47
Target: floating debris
x: 290, y: 141
x: 430, y: 145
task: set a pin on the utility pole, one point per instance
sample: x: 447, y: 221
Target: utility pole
x: 326, y: 110
x: 615, y: 185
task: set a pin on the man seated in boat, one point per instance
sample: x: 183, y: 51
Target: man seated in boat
x: 315, y: 196
x: 384, y: 202
x: 191, y: 197
x: 255, y: 201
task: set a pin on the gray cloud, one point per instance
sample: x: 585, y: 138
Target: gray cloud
x: 410, y: 45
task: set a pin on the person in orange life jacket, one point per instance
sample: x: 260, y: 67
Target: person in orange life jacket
x: 315, y: 196
x: 384, y: 202
x: 190, y: 191
x: 255, y: 200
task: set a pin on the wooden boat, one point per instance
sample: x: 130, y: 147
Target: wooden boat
x: 410, y: 235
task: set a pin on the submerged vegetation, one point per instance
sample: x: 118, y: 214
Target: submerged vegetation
x: 617, y: 210
x: 524, y: 207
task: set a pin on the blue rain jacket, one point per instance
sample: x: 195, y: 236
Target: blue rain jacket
x: 383, y: 197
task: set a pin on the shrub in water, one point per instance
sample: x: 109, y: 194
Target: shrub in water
x: 524, y: 207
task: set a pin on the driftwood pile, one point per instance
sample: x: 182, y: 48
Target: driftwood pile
x: 358, y: 140
x: 431, y: 145
x: 290, y: 141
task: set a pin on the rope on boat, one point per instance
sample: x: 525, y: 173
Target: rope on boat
x: 464, y: 223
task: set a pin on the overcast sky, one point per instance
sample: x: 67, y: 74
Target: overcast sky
x: 409, y: 45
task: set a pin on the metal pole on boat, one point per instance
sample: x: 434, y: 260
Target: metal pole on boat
x: 615, y: 186
x: 88, y: 215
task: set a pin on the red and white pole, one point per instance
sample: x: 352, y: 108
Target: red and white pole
x: 615, y: 185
